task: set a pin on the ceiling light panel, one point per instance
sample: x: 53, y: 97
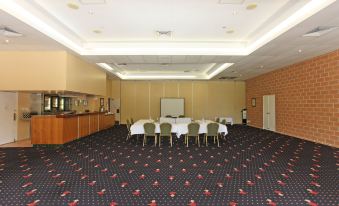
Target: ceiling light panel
x: 319, y: 31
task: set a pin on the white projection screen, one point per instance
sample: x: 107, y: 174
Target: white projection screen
x: 172, y: 106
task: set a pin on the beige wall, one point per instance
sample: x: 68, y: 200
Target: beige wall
x: 49, y: 70
x: 27, y: 102
x: 203, y: 99
x: 38, y: 70
x: 23, y: 126
x: 84, y: 77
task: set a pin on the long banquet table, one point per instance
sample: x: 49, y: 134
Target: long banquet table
x: 177, y: 128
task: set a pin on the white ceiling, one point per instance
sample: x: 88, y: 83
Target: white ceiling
x: 190, y: 20
x: 128, y: 21
x: 31, y: 40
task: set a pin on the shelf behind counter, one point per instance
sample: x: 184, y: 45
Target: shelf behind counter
x: 60, y: 129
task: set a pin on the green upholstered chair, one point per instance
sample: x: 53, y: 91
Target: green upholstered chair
x: 193, y: 131
x: 132, y: 121
x: 149, y: 131
x: 128, y: 125
x: 165, y: 131
x: 212, y: 131
x: 223, y: 122
x: 169, y: 116
x: 218, y: 120
x: 181, y: 116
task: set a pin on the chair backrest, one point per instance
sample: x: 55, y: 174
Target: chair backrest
x: 128, y: 124
x: 223, y: 122
x: 181, y: 116
x: 212, y: 129
x: 165, y: 129
x: 193, y: 129
x: 168, y: 116
x: 149, y: 129
x: 132, y: 121
x: 218, y: 119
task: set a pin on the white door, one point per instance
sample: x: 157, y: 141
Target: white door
x: 115, y: 107
x: 269, y: 112
x: 8, y: 124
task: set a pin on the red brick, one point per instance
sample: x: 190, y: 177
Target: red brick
x: 307, y: 98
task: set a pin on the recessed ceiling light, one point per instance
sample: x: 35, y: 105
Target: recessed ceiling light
x: 72, y: 5
x: 97, y: 31
x: 230, y: 31
x: 261, y: 66
x: 6, y: 41
x: 251, y: 6
x: 299, y: 50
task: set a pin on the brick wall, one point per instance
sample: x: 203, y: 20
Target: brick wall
x: 307, y: 99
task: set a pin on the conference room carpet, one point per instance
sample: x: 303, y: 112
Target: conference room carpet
x: 252, y: 167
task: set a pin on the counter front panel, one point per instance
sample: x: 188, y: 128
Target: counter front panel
x: 60, y: 129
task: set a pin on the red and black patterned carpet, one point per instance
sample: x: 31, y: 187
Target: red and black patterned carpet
x: 252, y: 167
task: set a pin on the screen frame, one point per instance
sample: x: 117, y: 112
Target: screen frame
x: 173, y: 98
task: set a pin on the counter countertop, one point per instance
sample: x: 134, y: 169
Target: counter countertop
x: 73, y: 115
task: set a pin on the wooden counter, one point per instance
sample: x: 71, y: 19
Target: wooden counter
x: 60, y: 129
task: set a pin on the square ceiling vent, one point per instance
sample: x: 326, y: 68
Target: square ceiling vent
x: 163, y: 34
x: 92, y: 1
x: 231, y: 1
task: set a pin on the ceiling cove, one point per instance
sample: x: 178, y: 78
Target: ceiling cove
x: 153, y: 27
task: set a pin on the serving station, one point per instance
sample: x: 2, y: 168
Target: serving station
x: 63, y: 128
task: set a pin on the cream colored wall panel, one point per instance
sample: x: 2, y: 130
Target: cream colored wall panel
x: 33, y: 71
x: 217, y: 99
x: 203, y: 99
x: 200, y: 100
x: 115, y: 89
x: 171, y: 89
x: 108, y: 88
x: 156, y: 91
x: 128, y: 100
x: 240, y: 101
x: 84, y: 77
x: 185, y: 91
x: 228, y: 102
x: 24, y: 105
x: 142, y: 101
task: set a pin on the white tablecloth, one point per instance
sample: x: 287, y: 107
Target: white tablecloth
x: 175, y: 120
x: 178, y: 128
x: 229, y: 120
x: 167, y: 119
x: 183, y: 120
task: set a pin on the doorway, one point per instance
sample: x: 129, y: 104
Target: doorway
x: 8, y: 123
x: 269, y: 112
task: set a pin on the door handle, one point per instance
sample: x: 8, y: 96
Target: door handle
x: 14, y: 116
